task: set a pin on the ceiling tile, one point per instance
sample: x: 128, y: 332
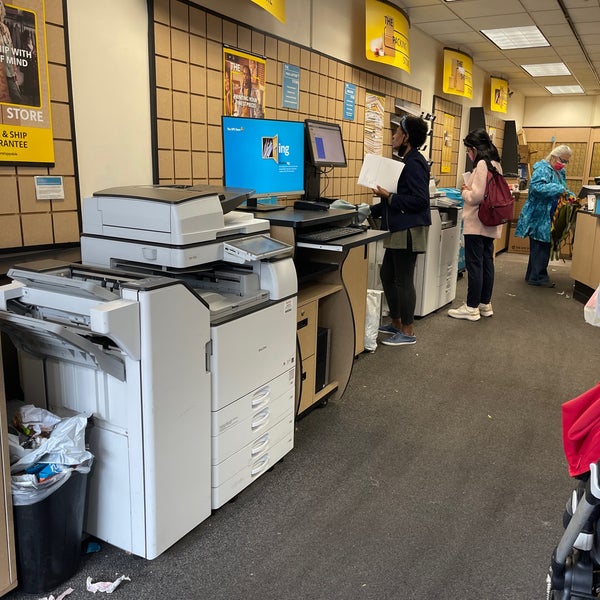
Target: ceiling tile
x: 458, y: 25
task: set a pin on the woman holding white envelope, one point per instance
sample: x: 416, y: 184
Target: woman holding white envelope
x: 406, y: 214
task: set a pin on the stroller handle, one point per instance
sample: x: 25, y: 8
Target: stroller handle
x: 586, y: 505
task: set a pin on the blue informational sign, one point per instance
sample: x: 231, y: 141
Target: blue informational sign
x: 349, y: 101
x: 291, y: 86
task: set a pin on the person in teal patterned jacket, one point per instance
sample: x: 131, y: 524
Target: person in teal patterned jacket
x: 548, y: 183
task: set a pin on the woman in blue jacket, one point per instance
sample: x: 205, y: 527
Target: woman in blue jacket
x: 547, y: 184
x: 406, y: 214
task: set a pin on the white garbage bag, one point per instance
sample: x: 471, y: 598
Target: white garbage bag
x: 373, y: 319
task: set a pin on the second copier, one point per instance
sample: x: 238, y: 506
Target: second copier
x: 177, y: 334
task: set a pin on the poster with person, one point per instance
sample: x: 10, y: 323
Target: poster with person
x: 243, y: 84
x: 25, y: 117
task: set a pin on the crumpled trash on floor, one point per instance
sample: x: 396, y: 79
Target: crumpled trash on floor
x: 105, y: 586
x: 63, y: 595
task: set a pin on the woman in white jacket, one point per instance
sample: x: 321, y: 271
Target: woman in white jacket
x: 479, y: 238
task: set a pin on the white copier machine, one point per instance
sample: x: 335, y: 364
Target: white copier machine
x: 177, y: 333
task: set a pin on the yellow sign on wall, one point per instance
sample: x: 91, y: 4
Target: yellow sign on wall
x: 274, y: 7
x: 499, y: 94
x: 387, y: 34
x: 458, y: 73
x: 25, y: 117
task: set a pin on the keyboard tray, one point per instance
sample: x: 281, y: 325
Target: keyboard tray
x: 328, y: 234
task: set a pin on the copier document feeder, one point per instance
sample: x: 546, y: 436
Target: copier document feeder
x: 177, y: 334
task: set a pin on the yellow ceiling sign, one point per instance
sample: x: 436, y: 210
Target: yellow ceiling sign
x: 458, y: 73
x: 275, y: 7
x: 499, y: 94
x: 387, y: 34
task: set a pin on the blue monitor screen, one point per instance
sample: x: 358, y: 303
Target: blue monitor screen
x: 265, y: 155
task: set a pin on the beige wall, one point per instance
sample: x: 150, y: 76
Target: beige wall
x: 572, y: 111
x: 111, y: 98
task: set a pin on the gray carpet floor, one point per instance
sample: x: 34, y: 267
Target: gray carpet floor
x: 440, y: 473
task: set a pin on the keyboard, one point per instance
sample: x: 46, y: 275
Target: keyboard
x: 329, y: 234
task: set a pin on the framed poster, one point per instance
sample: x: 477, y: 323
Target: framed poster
x: 25, y: 117
x: 243, y: 84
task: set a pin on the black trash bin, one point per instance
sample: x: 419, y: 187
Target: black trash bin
x: 48, y: 536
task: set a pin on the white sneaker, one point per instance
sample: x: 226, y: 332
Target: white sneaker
x: 486, y: 310
x: 465, y: 312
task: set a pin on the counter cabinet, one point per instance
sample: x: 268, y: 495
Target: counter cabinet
x: 585, y: 264
x: 316, y: 310
x: 331, y: 305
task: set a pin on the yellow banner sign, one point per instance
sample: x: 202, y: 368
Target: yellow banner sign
x: 25, y: 117
x: 458, y: 73
x: 499, y: 94
x: 274, y: 7
x: 387, y: 35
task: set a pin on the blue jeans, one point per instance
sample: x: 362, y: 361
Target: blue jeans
x: 479, y: 260
x: 537, y: 267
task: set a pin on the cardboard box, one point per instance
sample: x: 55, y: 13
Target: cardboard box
x: 501, y: 243
x: 516, y: 244
x: 523, y: 153
x: 520, y: 199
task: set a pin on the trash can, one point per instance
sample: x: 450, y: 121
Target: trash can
x: 48, y: 536
x: 48, y: 485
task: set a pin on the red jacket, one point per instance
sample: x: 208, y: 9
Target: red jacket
x: 581, y: 431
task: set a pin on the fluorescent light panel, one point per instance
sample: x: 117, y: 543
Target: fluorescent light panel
x: 512, y: 38
x: 547, y: 69
x: 565, y: 89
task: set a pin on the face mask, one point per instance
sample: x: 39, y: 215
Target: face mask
x: 558, y: 166
x: 402, y: 149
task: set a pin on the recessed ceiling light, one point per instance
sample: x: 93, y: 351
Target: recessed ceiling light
x: 565, y: 89
x: 547, y: 69
x: 511, y: 38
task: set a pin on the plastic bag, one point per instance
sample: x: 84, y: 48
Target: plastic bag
x: 65, y: 446
x: 373, y: 319
x: 591, y: 310
x: 40, y: 471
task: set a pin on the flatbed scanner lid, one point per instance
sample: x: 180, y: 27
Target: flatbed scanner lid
x: 229, y: 197
x: 171, y: 216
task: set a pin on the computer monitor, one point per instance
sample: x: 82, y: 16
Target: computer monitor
x: 588, y: 190
x: 264, y: 155
x: 324, y: 150
x: 325, y: 144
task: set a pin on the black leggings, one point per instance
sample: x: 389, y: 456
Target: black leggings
x: 397, y: 276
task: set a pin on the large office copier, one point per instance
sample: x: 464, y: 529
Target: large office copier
x: 177, y: 334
